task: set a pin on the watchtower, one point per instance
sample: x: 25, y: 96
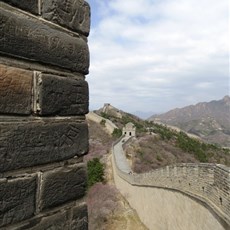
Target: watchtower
x: 129, y: 130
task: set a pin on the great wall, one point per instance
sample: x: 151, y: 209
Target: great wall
x: 182, y: 196
x: 44, y: 58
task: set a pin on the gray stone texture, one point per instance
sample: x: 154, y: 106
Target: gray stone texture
x: 58, y: 221
x: 15, y: 90
x: 73, y: 14
x: 80, y: 218
x: 63, y: 185
x: 62, y: 96
x: 44, y: 58
x: 17, y: 200
x: 28, y: 37
x: 25, y: 144
x: 31, y: 6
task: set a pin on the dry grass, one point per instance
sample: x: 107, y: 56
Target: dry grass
x: 109, y: 210
x: 150, y: 152
x: 100, y: 141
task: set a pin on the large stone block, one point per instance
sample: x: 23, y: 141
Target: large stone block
x: 80, y: 218
x: 15, y: 90
x: 28, y: 37
x: 58, y: 221
x: 63, y: 185
x: 36, y: 142
x: 17, y: 200
x: 27, y: 5
x: 62, y: 96
x: 73, y: 14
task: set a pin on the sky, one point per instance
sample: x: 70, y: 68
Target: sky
x: 156, y: 55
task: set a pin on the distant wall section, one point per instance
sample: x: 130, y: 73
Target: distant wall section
x: 96, y: 118
x: 44, y: 58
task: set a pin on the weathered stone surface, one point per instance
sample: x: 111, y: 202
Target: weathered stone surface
x: 27, y: 37
x: 17, y: 200
x: 28, y: 5
x: 63, y: 185
x: 26, y: 144
x: 58, y: 221
x: 73, y: 14
x: 62, y: 96
x: 80, y: 218
x: 15, y: 90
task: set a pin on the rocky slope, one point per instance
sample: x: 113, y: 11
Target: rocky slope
x: 208, y: 120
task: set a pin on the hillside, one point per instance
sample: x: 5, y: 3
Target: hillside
x: 209, y: 120
x: 107, y: 209
x: 157, y: 145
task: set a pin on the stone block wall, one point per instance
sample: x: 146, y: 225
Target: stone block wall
x: 44, y: 58
x: 209, y: 184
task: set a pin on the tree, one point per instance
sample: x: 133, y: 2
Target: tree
x: 117, y: 133
x: 95, y: 171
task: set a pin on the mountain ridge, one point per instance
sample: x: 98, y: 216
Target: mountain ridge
x: 208, y: 120
x: 157, y: 145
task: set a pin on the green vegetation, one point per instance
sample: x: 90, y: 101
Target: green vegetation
x: 103, y: 121
x: 105, y: 115
x: 141, y: 154
x: 202, y: 151
x: 95, y: 171
x: 117, y: 133
x: 193, y: 146
x: 164, y: 132
x: 175, y: 141
x: 159, y: 158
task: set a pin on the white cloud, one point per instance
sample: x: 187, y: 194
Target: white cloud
x: 147, y: 52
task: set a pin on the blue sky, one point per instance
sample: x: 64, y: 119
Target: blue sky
x: 156, y: 55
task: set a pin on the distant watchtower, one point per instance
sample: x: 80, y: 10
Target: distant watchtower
x: 129, y: 130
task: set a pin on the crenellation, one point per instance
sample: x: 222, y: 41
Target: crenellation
x: 208, y: 183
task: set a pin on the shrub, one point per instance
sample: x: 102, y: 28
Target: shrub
x: 159, y: 158
x: 102, y: 201
x: 95, y: 171
x: 105, y: 115
x: 103, y: 121
x: 192, y: 146
x: 117, y: 133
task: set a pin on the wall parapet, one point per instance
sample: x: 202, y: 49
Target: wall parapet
x: 208, y: 183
